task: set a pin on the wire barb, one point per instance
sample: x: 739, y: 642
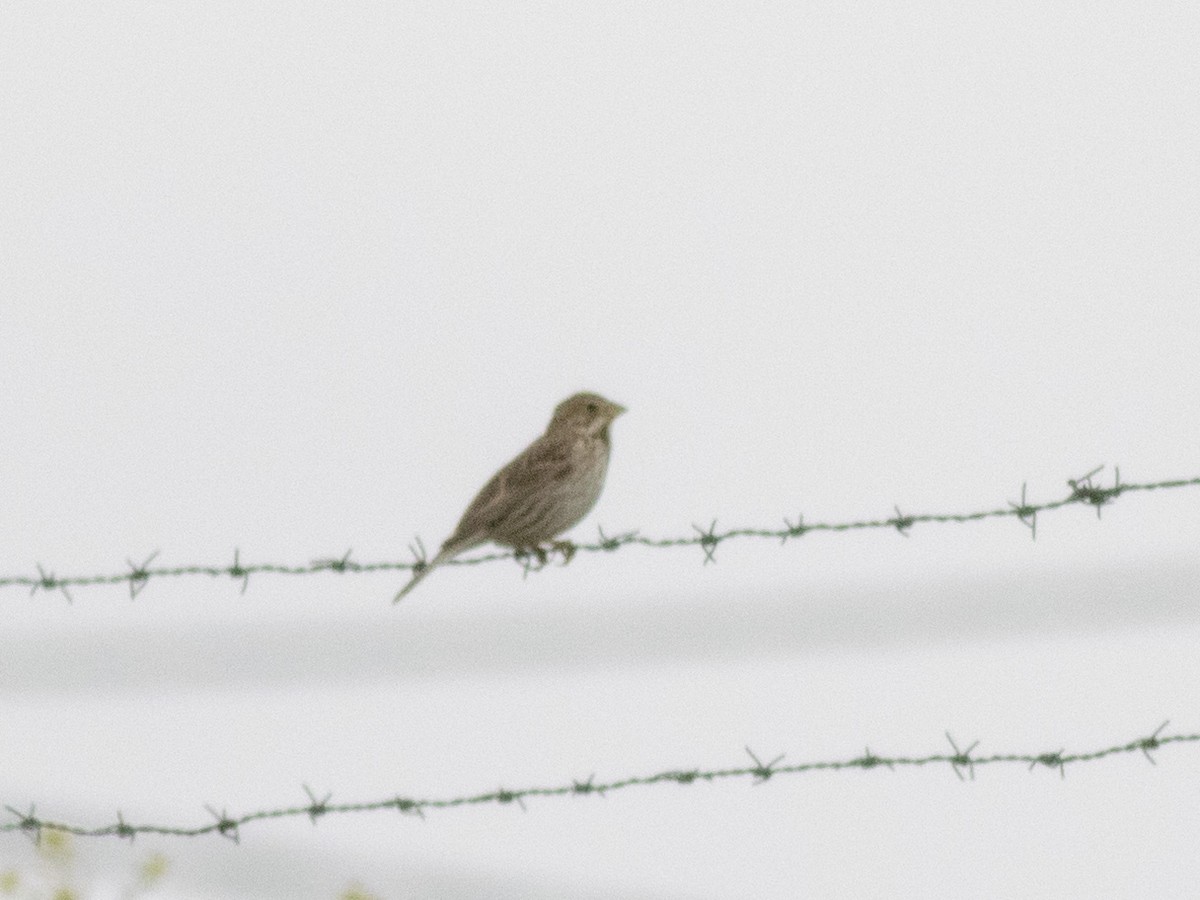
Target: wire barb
x: 587, y: 787
x: 1051, y: 760
x: 237, y: 571
x: 225, y: 826
x: 962, y: 758
x: 420, y: 557
x: 338, y: 564
x: 609, y: 544
x: 28, y: 823
x: 517, y: 797
x: 47, y: 582
x: 709, y: 539
x: 317, y: 808
x: 139, y: 575
x: 869, y: 761
x: 1026, y: 513
x: 124, y: 829
x: 407, y: 806
x: 796, y: 529
x: 762, y: 771
x: 1152, y: 742
x: 1084, y: 491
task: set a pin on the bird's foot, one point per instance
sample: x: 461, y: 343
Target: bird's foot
x: 566, y: 548
x: 531, y: 559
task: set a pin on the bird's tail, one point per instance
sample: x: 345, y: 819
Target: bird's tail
x: 419, y: 574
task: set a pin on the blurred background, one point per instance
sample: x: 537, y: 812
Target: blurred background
x: 295, y: 279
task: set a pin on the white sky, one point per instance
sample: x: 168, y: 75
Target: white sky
x: 296, y: 278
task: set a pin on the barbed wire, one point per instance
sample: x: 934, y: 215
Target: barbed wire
x: 960, y: 760
x: 1083, y: 490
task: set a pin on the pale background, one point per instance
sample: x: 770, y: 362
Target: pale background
x: 296, y: 278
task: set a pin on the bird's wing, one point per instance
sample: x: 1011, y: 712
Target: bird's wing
x: 542, y: 463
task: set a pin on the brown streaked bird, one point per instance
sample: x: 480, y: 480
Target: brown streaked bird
x: 548, y: 488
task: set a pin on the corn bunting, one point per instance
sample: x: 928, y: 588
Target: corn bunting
x: 547, y: 489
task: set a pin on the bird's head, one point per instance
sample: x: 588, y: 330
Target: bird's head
x: 586, y: 413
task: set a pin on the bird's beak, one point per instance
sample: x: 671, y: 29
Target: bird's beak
x: 616, y: 410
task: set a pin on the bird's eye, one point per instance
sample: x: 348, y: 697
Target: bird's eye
x: 592, y: 407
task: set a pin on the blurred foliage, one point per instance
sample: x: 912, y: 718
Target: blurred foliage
x: 53, y: 876
x: 152, y: 870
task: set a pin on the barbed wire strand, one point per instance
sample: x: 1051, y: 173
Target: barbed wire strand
x: 960, y: 760
x: 1083, y: 490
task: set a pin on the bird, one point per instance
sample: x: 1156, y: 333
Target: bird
x: 544, y: 491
